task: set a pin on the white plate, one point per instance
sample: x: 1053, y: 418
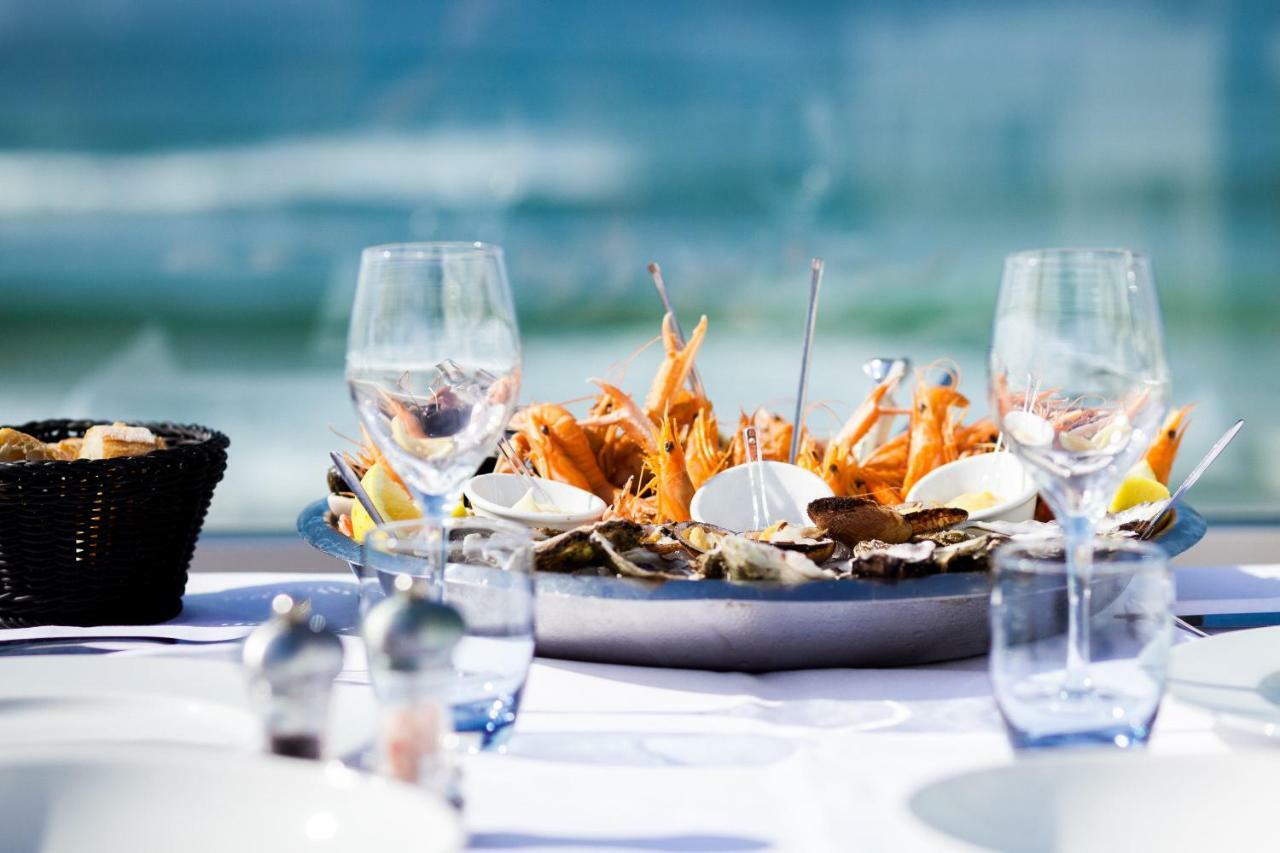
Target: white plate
x: 63, y: 798
x: 170, y: 700
x: 493, y: 495
x: 1106, y: 802
x: 725, y: 500
x: 999, y: 473
x: 1236, y: 675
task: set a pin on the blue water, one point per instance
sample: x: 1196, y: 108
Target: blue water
x: 489, y: 723
x: 186, y: 187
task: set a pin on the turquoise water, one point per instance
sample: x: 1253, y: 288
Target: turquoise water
x: 184, y: 190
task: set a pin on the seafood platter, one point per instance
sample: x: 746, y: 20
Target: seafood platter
x: 663, y: 540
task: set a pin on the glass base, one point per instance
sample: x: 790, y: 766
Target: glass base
x: 486, y: 724
x: 1121, y: 737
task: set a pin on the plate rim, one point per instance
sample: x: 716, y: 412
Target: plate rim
x: 1187, y: 529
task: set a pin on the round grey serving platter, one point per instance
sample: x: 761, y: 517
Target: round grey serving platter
x: 755, y: 627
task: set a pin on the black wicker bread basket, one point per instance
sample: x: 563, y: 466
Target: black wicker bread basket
x: 104, y: 542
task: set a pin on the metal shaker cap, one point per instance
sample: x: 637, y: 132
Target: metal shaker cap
x: 293, y: 651
x: 406, y: 632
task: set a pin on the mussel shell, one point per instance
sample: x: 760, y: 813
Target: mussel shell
x: 930, y: 519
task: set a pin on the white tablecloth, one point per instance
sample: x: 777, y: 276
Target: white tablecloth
x: 628, y: 758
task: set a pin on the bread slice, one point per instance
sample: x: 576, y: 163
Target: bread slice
x: 118, y: 439
x: 16, y: 446
x: 66, y: 450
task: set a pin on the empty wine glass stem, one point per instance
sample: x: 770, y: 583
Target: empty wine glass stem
x: 1078, y: 542
x: 434, y: 510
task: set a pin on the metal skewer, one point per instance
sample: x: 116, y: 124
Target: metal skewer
x: 815, y: 284
x: 523, y: 470
x: 755, y: 474
x: 1201, y: 466
x: 353, y: 483
x: 655, y: 272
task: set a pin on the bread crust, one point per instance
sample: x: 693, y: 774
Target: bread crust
x: 116, y: 440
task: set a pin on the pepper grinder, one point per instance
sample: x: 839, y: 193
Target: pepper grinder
x: 292, y: 660
x: 410, y: 641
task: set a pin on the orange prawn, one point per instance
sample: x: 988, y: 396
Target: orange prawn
x: 1161, y: 454
x: 671, y: 484
x: 675, y: 368
x: 560, y: 450
x: 703, y: 456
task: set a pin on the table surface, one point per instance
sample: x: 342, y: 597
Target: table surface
x: 616, y: 757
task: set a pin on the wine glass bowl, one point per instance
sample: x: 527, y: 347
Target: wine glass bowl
x: 433, y: 359
x: 1079, y: 383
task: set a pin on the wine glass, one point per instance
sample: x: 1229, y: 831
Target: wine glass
x: 1079, y: 387
x: 433, y: 360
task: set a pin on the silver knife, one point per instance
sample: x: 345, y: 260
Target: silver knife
x: 1201, y: 466
x: 353, y: 483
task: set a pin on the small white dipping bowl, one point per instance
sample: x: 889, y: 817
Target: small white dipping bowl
x: 492, y: 495
x: 999, y: 473
x: 725, y: 500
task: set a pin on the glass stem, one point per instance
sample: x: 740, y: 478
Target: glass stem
x: 433, y: 514
x: 1078, y: 541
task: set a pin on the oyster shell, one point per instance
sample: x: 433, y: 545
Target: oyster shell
x: 660, y: 540
x: 892, y: 561
x: 854, y: 520
x: 698, y: 537
x: 944, y: 537
x: 580, y: 547
x: 741, y: 559
x: 971, y: 555
x: 813, y: 542
x: 638, y: 562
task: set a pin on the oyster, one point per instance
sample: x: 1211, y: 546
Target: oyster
x: 893, y: 561
x: 1020, y: 529
x: 971, y: 555
x: 944, y: 537
x: 660, y: 540
x: 741, y: 559
x: 638, y: 562
x: 854, y: 520
x: 580, y: 548
x: 813, y: 542
x: 1133, y: 520
x: 698, y: 537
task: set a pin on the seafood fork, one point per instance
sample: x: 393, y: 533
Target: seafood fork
x: 755, y: 471
x: 523, y: 470
x: 815, y: 284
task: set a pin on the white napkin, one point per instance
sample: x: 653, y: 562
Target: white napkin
x: 216, y: 610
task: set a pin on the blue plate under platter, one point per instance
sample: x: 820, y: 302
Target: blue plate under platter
x: 755, y: 627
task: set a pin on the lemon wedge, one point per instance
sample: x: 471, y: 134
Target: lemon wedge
x: 1137, y: 489
x: 1142, y: 469
x: 391, y: 499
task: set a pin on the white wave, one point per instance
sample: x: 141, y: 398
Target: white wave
x: 447, y: 167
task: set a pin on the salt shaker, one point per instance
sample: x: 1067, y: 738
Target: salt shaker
x: 410, y: 641
x: 292, y: 660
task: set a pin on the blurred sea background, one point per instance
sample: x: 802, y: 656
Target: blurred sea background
x: 185, y: 188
